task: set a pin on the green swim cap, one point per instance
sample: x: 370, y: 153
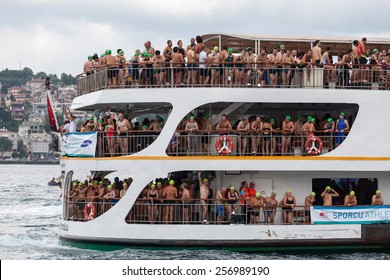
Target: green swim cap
x: 109, y: 187
x: 378, y: 192
x: 206, y: 116
x: 311, y: 120
x: 271, y: 120
x: 75, y: 184
x: 89, y: 57
x: 172, y: 182
x: 108, y: 51
x: 152, y: 186
x: 205, y: 180
x: 273, y: 193
x: 231, y: 188
x: 313, y: 194
x: 327, y: 188
x: 101, y: 183
x: 258, y: 194
x: 282, y: 46
x: 330, y: 120
x: 230, y: 50
x: 102, y: 55
x: 288, y: 118
x: 352, y: 193
x: 289, y: 190
x: 136, y: 54
x: 298, y: 116
x: 159, y: 183
x: 101, y: 121
x: 80, y: 184
x: 375, y: 51
x: 342, y: 114
x: 90, y: 118
x: 96, y: 182
x: 216, y: 48
x: 121, y: 52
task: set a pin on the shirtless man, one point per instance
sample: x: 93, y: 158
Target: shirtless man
x: 355, y: 62
x: 158, y: 65
x: 170, y: 194
x: 192, y: 43
x: 204, y: 194
x: 328, y: 195
x: 287, y: 61
x: 350, y: 199
x: 317, y: 52
x: 199, y: 44
x: 120, y: 64
x: 270, y: 204
x: 298, y: 125
x: 261, y: 61
x: 256, y: 203
x: 100, y: 196
x: 123, y: 126
x: 249, y: 59
x: 224, y: 126
x: 272, y: 62
x: 377, y: 198
x: 185, y: 198
x: 309, y: 200
x: 205, y: 125
x: 287, y: 130
x: 88, y: 66
x: 177, y: 62
x: 110, y: 63
x: 220, y: 204
x: 243, y: 128
x: 192, y: 59
x: 90, y: 125
x: 256, y: 128
x: 308, y: 128
x: 213, y: 59
x: 307, y: 61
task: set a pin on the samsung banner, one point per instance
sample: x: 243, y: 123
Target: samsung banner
x: 79, y: 144
x: 350, y: 214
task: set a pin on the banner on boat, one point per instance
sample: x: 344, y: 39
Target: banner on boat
x: 350, y: 215
x: 79, y: 144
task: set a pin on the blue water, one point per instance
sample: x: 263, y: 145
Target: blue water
x: 30, y: 213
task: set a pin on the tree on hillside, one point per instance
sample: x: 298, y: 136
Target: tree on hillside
x: 5, y: 146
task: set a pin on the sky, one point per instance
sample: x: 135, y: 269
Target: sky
x: 56, y: 36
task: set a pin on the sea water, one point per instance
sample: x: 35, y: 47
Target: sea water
x: 30, y: 214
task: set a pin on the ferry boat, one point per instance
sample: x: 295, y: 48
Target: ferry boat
x: 312, y: 161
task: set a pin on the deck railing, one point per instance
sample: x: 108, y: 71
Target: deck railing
x: 209, y: 143
x: 234, y: 75
x: 176, y: 211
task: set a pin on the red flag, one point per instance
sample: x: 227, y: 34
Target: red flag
x: 52, y: 117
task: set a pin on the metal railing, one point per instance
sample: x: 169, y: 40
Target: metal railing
x: 209, y: 143
x: 193, y: 211
x: 236, y: 75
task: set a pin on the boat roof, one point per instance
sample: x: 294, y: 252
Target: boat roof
x: 339, y: 44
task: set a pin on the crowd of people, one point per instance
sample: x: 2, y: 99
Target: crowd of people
x: 182, y: 201
x: 256, y: 135
x: 198, y: 65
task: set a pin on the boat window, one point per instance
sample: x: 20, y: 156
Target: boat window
x: 114, y: 137
x: 364, y: 189
x: 263, y: 129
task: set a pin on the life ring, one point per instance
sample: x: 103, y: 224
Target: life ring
x: 224, y: 145
x: 311, y: 147
x: 89, y: 211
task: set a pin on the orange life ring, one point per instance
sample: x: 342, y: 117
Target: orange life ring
x: 89, y: 211
x: 311, y: 147
x: 224, y: 145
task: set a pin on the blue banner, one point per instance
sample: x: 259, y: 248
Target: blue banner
x: 350, y: 214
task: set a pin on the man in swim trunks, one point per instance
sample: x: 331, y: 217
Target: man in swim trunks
x: 243, y: 128
x: 177, y: 64
x: 317, y: 52
x: 287, y: 130
x: 110, y: 63
x: 170, y: 194
x: 328, y: 195
x: 257, y: 202
x: 270, y: 204
x: 88, y: 66
x: 123, y: 126
x: 192, y: 59
x: 220, y: 204
x: 377, y: 198
x: 204, y: 194
x: 309, y: 201
x: 185, y: 198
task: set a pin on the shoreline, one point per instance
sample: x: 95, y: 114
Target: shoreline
x: 38, y: 162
